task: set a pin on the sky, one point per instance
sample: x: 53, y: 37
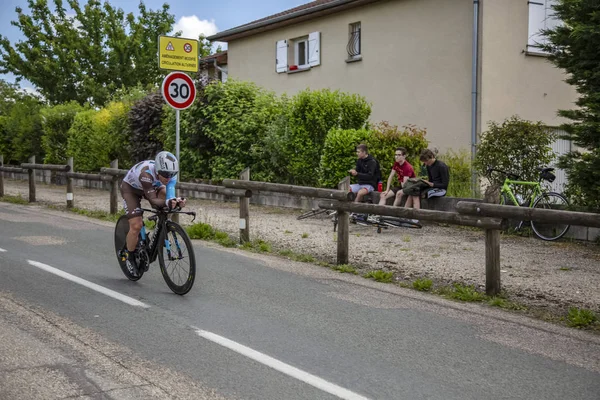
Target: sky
x: 193, y: 18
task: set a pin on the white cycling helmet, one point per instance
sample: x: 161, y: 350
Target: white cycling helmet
x: 166, y: 165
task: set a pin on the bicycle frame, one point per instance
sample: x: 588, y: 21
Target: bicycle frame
x: 506, y: 189
x: 161, y: 225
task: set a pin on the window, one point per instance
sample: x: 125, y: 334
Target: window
x: 541, y: 16
x: 301, y: 52
x: 354, y: 42
x: 304, y: 52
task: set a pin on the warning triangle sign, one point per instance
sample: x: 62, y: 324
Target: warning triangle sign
x: 170, y: 47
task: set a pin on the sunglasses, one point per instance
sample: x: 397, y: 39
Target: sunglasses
x: 167, y: 174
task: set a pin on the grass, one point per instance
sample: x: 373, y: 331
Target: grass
x: 379, y: 276
x: 345, y: 269
x: 203, y: 231
x: 581, y: 318
x: 14, y: 199
x: 304, y: 235
x: 423, y: 285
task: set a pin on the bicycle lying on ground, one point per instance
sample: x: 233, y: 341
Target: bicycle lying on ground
x: 381, y: 222
x: 166, y: 241
x: 539, y: 198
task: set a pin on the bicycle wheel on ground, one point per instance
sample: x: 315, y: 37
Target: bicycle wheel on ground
x: 399, y: 222
x: 177, y: 259
x: 311, y: 213
x: 121, y: 230
x: 550, y: 230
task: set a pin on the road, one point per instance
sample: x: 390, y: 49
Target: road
x: 259, y: 327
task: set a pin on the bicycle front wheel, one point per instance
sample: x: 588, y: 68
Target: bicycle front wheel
x: 177, y: 260
x: 550, y: 230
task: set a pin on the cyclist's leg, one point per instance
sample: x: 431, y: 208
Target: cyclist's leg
x: 132, y: 199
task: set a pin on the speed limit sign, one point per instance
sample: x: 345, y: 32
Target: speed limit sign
x: 178, y: 90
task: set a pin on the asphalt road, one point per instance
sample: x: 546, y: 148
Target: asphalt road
x: 259, y: 327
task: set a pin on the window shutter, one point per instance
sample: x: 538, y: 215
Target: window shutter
x: 552, y: 20
x: 537, y: 17
x: 314, y: 49
x: 282, y: 53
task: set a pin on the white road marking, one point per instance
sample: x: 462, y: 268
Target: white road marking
x: 88, y: 284
x: 2, y: 251
x: 287, y: 369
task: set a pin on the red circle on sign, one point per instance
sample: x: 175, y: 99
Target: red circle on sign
x: 167, y: 95
x: 187, y: 47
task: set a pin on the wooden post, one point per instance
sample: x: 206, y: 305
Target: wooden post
x: 343, y: 229
x: 114, y: 188
x: 31, y: 174
x: 492, y: 251
x: 245, y: 211
x: 1, y: 176
x: 70, y: 184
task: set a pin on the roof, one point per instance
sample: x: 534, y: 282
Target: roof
x: 306, y: 11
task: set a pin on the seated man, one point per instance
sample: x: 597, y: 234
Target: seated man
x: 367, y: 172
x: 438, y: 175
x: 435, y: 186
x: 404, y: 170
x: 155, y: 181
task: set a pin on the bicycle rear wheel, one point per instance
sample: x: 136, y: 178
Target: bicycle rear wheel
x: 121, y: 231
x: 550, y: 230
x: 175, y: 249
x: 399, y: 222
x: 311, y: 213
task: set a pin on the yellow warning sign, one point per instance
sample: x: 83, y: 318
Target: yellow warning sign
x: 177, y: 54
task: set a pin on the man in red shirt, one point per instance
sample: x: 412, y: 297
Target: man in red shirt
x: 404, y: 170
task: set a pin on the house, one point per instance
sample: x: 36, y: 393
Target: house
x: 213, y: 67
x: 447, y: 65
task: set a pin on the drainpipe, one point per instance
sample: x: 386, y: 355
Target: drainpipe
x: 475, y: 63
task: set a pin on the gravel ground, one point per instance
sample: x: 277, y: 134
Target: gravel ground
x: 534, y: 272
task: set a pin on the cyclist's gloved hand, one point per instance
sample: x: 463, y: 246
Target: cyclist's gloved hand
x: 171, y: 203
x: 181, y: 202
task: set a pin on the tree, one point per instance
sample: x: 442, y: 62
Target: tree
x: 517, y: 146
x: 574, y: 45
x: 87, y: 56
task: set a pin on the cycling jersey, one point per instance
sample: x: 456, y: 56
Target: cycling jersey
x: 144, y: 178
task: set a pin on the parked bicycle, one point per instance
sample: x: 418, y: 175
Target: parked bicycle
x: 539, y: 198
x: 169, y: 240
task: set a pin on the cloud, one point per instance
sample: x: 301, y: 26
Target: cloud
x: 191, y: 27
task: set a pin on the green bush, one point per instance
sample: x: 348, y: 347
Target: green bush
x: 459, y: 164
x: 238, y: 114
x: 386, y: 138
x: 339, y: 154
x: 56, y: 122
x: 97, y: 137
x: 297, y: 138
x: 517, y: 146
x: 21, y: 131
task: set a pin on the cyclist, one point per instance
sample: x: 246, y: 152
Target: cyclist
x: 155, y: 181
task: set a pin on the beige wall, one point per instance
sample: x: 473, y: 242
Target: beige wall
x: 511, y: 81
x: 416, y: 66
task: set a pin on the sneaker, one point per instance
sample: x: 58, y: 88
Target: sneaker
x: 131, y: 263
x: 373, y: 218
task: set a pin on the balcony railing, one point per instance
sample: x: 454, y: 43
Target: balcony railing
x: 354, y: 43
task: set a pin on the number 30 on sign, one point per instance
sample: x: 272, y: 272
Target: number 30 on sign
x: 178, y: 90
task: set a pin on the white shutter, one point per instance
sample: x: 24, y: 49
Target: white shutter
x: 282, y: 53
x: 537, y: 16
x: 314, y: 49
x: 552, y: 20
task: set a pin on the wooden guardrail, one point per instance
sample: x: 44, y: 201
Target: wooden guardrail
x: 487, y: 215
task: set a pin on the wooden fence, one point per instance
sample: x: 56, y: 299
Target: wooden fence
x: 487, y: 216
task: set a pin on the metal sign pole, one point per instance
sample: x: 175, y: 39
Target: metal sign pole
x: 177, y: 135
